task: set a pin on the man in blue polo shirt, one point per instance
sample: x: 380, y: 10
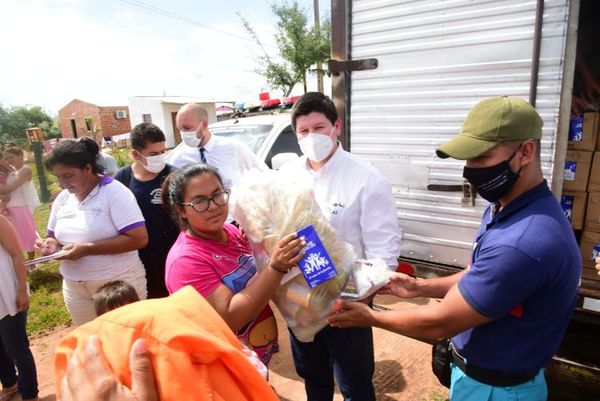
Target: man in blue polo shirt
x: 507, y: 312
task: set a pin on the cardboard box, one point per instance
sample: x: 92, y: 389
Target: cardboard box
x: 590, y: 273
x: 574, y: 205
x: 577, y: 170
x: 583, y: 132
x: 592, y: 214
x: 594, y: 181
x: 590, y: 248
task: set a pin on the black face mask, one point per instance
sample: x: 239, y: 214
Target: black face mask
x: 494, y: 182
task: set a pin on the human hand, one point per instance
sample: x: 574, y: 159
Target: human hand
x: 93, y: 380
x: 352, y: 314
x: 288, y: 252
x: 401, y: 285
x: 46, y: 246
x: 5, y: 167
x: 76, y: 251
x: 598, y: 265
x: 22, y: 300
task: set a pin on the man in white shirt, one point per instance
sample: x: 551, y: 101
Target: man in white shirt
x: 230, y: 156
x: 359, y: 204
x: 108, y: 162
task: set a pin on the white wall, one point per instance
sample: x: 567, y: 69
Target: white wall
x: 161, y: 114
x: 153, y: 106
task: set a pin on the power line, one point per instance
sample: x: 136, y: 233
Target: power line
x: 170, y: 14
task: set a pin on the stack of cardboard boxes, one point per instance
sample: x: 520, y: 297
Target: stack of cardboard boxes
x: 581, y: 187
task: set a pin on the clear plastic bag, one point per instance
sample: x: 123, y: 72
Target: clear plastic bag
x: 270, y: 205
x: 368, y: 276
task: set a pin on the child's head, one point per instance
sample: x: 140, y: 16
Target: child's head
x: 13, y: 156
x: 196, y: 198
x: 113, y: 295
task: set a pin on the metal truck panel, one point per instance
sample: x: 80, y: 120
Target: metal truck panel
x: 436, y: 59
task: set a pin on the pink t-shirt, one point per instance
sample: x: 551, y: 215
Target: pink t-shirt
x: 206, y: 264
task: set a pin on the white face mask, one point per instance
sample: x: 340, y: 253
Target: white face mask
x: 154, y: 164
x: 190, y: 138
x: 316, y: 146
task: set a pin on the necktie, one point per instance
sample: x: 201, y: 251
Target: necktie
x: 202, y: 157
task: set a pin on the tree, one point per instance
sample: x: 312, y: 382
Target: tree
x: 51, y: 130
x: 15, y: 120
x: 299, y: 46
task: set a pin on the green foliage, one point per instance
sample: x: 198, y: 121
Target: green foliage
x: 122, y: 156
x: 14, y: 121
x: 41, y: 215
x: 51, y: 130
x: 299, y: 46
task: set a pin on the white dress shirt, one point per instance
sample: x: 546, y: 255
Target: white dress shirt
x: 358, y: 202
x: 230, y: 156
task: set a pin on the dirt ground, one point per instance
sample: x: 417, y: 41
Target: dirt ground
x: 402, y: 370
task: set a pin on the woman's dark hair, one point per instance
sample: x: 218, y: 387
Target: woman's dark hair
x: 78, y: 154
x: 173, y: 188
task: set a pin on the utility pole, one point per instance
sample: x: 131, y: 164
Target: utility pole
x: 318, y: 28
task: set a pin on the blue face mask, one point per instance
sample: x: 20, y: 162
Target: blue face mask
x: 492, y: 183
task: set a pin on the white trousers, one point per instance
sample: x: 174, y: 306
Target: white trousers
x: 78, y: 294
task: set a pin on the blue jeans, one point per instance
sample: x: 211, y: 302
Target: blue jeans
x: 463, y: 388
x: 345, y: 353
x: 16, y: 355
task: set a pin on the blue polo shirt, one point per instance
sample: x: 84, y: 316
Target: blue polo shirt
x: 525, y: 273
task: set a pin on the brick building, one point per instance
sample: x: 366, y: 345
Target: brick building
x: 79, y: 118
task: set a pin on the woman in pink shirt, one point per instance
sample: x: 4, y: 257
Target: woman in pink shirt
x: 215, y: 258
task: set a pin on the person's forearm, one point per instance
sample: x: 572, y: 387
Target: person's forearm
x: 20, y: 270
x: 437, y: 287
x: 119, y: 244
x: 416, y: 322
x: 247, y: 304
x: 7, y: 189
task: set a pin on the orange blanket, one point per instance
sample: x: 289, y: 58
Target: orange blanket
x: 194, y: 354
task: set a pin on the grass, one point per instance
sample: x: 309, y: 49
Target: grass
x: 47, y: 310
x: 435, y: 396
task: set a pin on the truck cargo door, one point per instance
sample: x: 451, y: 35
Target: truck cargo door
x: 434, y: 61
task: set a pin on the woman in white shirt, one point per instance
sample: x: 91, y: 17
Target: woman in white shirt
x: 23, y: 200
x: 98, y: 222
x: 15, y: 354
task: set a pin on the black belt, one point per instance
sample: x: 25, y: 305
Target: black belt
x: 490, y: 377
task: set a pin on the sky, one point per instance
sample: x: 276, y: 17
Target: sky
x: 104, y: 51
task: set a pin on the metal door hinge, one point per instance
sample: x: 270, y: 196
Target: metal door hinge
x: 335, y: 67
x: 469, y: 192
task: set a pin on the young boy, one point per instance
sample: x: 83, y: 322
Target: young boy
x: 144, y: 178
x: 113, y: 295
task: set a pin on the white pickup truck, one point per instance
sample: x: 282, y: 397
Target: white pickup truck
x: 267, y: 135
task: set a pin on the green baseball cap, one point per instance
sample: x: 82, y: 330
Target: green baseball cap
x: 490, y: 122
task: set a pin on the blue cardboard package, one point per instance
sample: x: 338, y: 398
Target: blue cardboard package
x: 315, y: 265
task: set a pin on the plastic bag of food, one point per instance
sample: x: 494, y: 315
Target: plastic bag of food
x: 368, y: 276
x: 270, y: 205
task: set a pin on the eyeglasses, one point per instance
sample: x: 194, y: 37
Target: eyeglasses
x: 202, y: 204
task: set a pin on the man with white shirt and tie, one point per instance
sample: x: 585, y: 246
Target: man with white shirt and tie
x: 230, y: 156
